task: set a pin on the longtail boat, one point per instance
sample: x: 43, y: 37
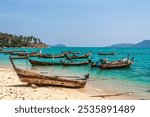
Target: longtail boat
x: 75, y: 63
x: 8, y: 52
x: 70, y: 52
x: 78, y: 57
x: 42, y: 63
x: 126, y: 62
x: 17, y: 52
x: 111, y: 53
x: 20, y: 50
x: 51, y: 55
x: 39, y: 79
x: 20, y: 57
x: 32, y: 54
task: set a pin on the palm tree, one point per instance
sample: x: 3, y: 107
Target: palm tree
x: 34, y: 40
x: 39, y: 41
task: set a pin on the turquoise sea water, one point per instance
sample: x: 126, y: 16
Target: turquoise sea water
x: 135, y: 79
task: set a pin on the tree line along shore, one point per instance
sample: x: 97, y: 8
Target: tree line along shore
x: 11, y: 40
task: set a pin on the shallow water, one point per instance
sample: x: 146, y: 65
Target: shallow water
x: 135, y: 79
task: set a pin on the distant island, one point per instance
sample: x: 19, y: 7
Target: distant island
x: 57, y: 45
x: 10, y: 40
x: 122, y: 45
x: 143, y: 44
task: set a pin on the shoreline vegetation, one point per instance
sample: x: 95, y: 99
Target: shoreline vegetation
x: 10, y: 40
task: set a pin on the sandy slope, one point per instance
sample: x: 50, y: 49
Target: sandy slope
x: 12, y: 89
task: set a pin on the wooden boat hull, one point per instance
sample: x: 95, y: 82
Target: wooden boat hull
x: 107, y: 53
x: 20, y: 57
x: 51, y: 56
x: 15, y: 54
x: 76, y: 64
x: 33, y: 78
x: 115, y: 65
x: 40, y: 63
x: 33, y: 54
x: 39, y: 79
x: 8, y: 52
x: 74, y: 52
x: 18, y: 53
x: 78, y: 57
x: 70, y: 52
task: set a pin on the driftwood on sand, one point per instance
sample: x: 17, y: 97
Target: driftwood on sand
x: 118, y: 94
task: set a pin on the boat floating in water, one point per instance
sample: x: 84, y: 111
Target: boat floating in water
x: 51, y: 55
x: 42, y: 63
x: 70, y: 52
x: 32, y: 54
x: 79, y: 57
x: 111, y: 53
x: 75, y: 63
x: 105, y: 64
x: 126, y: 62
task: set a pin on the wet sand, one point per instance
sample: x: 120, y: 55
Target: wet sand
x: 12, y: 89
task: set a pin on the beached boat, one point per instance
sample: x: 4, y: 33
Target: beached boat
x: 111, y: 53
x: 115, y: 64
x: 39, y: 79
x: 51, y: 55
x: 75, y: 63
x: 42, y: 63
x: 78, y: 57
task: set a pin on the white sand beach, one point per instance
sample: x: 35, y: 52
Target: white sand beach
x: 12, y: 89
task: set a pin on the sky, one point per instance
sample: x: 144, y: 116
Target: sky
x: 87, y: 23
